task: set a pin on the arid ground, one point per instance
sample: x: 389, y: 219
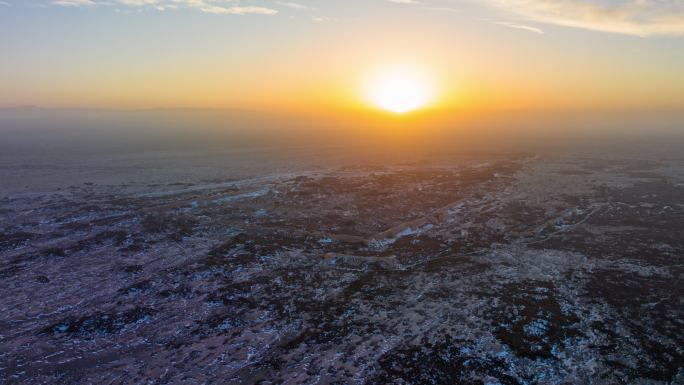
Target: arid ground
x: 506, y: 269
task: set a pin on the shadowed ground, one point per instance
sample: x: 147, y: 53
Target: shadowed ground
x: 479, y: 270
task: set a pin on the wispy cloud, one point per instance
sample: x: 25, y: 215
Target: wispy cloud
x: 139, y: 3
x: 424, y: 5
x: 292, y: 5
x: 405, y: 1
x: 523, y: 27
x: 73, y: 3
x: 221, y: 7
x: 237, y: 10
x: 632, y: 17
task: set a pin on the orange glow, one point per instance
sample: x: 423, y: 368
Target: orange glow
x: 400, y: 89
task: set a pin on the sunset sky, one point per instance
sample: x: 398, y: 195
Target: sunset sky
x: 325, y: 54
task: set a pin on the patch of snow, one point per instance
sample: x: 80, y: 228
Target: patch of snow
x: 249, y: 195
x: 537, y: 328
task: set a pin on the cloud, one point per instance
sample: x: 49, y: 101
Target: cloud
x: 236, y: 10
x: 631, y: 17
x: 73, y: 3
x: 424, y: 5
x: 139, y: 3
x: 220, y: 7
x: 292, y: 5
x: 523, y: 27
x: 404, y: 1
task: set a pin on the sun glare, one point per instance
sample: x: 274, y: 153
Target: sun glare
x: 400, y: 89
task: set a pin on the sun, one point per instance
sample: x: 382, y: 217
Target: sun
x: 400, y: 89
